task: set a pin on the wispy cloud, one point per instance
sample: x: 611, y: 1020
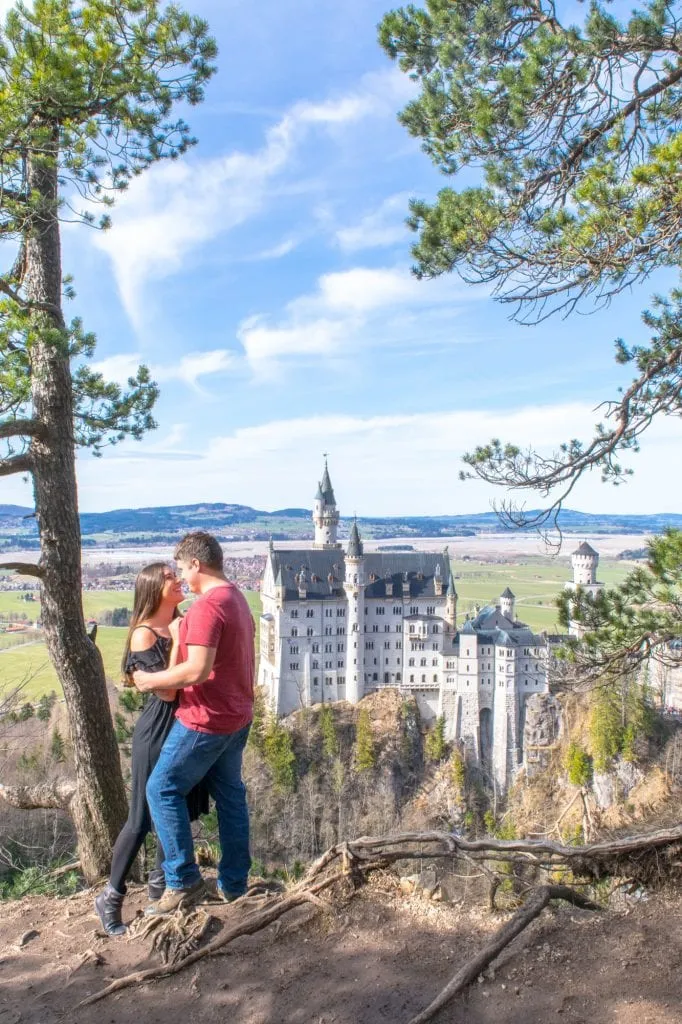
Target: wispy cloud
x: 381, y: 465
x: 381, y: 227
x: 174, y: 208
x: 341, y: 314
x: 190, y: 369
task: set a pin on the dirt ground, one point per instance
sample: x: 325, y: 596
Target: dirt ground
x: 380, y: 958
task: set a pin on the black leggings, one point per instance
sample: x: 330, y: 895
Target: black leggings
x: 127, y: 847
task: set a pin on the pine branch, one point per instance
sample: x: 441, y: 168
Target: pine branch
x: 24, y: 568
x: 16, y: 464
x: 22, y: 428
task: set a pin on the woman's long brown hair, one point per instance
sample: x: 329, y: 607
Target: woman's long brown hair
x: 148, y: 596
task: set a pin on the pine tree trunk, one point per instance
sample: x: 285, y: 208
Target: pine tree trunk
x: 100, y: 804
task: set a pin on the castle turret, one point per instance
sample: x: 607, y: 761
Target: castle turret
x: 325, y: 515
x: 451, y: 604
x: 354, y: 586
x: 585, y: 561
x: 507, y: 602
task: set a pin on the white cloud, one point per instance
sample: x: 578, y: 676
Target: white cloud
x: 382, y: 227
x: 173, y: 208
x: 348, y: 308
x: 381, y: 465
x: 189, y: 369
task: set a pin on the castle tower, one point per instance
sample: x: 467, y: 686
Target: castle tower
x: 585, y: 561
x: 451, y: 604
x: 507, y: 602
x: 354, y: 586
x: 325, y: 515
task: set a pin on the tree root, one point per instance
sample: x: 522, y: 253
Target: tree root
x: 645, y: 858
x: 174, y: 936
x: 531, y: 909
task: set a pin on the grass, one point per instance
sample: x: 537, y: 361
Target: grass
x: 29, y: 661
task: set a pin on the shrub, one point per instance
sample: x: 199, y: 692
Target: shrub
x: 57, y: 746
x: 279, y: 755
x: 330, y: 741
x: 578, y: 765
x: 435, y: 746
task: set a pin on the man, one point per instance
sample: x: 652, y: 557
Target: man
x: 214, y: 678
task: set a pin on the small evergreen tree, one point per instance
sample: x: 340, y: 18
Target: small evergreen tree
x: 458, y: 771
x: 57, y: 746
x: 258, y: 722
x: 578, y: 765
x: 435, y: 745
x: 26, y: 711
x: 279, y: 755
x: 45, y: 707
x: 131, y: 700
x: 606, y: 728
x: 330, y: 741
x: 365, y: 757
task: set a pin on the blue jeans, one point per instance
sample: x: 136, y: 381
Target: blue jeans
x: 187, y: 757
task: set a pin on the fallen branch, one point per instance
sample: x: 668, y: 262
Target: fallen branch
x: 75, y: 865
x: 521, y: 919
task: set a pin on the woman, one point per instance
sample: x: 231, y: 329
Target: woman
x: 149, y: 647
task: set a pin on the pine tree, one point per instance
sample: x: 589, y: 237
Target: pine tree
x: 578, y: 765
x: 365, y: 757
x: 57, y: 746
x: 330, y: 741
x: 435, y: 746
x: 87, y: 90
x: 279, y: 755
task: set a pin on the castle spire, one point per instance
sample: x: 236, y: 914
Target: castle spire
x: 355, y: 548
x: 325, y: 514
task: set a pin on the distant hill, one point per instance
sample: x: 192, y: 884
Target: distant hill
x: 235, y: 522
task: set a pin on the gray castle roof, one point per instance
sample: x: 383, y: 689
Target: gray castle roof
x: 326, y: 570
x: 491, y: 626
x: 325, y: 491
x: 584, y: 549
x: 355, y: 548
x: 507, y: 593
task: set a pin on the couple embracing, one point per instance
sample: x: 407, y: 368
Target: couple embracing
x: 188, y: 742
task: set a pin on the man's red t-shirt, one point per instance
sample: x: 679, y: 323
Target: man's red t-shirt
x: 220, y: 618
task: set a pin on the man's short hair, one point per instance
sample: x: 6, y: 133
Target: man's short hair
x: 202, y: 546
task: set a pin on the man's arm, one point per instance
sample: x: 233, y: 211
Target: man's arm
x: 196, y: 669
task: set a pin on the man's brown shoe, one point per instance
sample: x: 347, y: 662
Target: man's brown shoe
x: 173, y: 899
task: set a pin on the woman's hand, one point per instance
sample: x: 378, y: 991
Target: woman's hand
x: 144, y: 681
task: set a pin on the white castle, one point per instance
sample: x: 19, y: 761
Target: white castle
x: 338, y: 625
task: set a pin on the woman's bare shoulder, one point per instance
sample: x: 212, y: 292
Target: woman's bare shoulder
x: 143, y: 637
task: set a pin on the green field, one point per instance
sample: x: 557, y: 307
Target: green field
x: 28, y: 660
x: 535, y: 582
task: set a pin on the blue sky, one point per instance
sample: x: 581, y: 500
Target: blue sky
x: 265, y: 279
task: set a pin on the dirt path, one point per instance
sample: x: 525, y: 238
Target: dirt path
x: 379, y: 960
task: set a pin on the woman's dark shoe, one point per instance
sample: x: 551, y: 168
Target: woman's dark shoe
x: 156, y: 884
x: 108, y: 905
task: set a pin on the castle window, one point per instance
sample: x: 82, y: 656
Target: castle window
x: 316, y: 648
x: 381, y: 611
x: 316, y: 664
x: 293, y: 665
x: 294, y: 631
x: 293, y: 649
x: 375, y: 677
x: 328, y: 612
x: 431, y: 610
x: 375, y: 628
x: 435, y: 678
x: 327, y: 630
x: 339, y: 647
x: 397, y: 677
x: 366, y: 610
x: 412, y: 627
x: 411, y: 662
x: 341, y: 680
x: 316, y: 681
x: 423, y: 679
x: 387, y: 645
x: 294, y: 613
x: 328, y: 664
x: 397, y: 661
x: 398, y: 645
x: 397, y: 611
x: 369, y: 645
x: 398, y: 628
x: 414, y: 610
x: 434, y: 629
x: 341, y: 613
x: 328, y: 680
x: 434, y: 647
x: 328, y: 648
x: 310, y: 631
x: 340, y: 630
x: 339, y: 664
x: 387, y: 629
x: 434, y: 661
x: 387, y: 678
x: 310, y: 612
x: 422, y: 662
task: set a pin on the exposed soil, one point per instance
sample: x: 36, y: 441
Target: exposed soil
x: 380, y: 958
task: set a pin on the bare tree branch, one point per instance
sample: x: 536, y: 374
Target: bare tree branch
x: 24, y: 568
